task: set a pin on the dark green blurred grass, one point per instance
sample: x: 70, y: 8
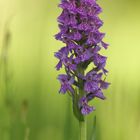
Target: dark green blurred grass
x: 30, y: 106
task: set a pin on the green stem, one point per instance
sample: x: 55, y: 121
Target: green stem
x: 82, y: 123
x: 83, y: 130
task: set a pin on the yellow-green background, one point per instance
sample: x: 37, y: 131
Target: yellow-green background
x: 30, y: 106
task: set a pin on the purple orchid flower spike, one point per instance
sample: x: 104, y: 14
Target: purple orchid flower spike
x: 79, y: 26
x: 79, y: 29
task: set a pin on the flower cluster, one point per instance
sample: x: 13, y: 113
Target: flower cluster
x: 79, y: 29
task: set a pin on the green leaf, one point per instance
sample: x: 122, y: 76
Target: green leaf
x: 76, y: 109
x: 93, y: 134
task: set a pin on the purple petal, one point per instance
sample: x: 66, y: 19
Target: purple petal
x: 105, y: 45
x: 87, y: 109
x: 104, y: 85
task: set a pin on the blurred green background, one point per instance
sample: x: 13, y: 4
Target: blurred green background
x: 30, y: 106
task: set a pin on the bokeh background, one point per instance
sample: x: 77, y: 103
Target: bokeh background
x: 30, y: 106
